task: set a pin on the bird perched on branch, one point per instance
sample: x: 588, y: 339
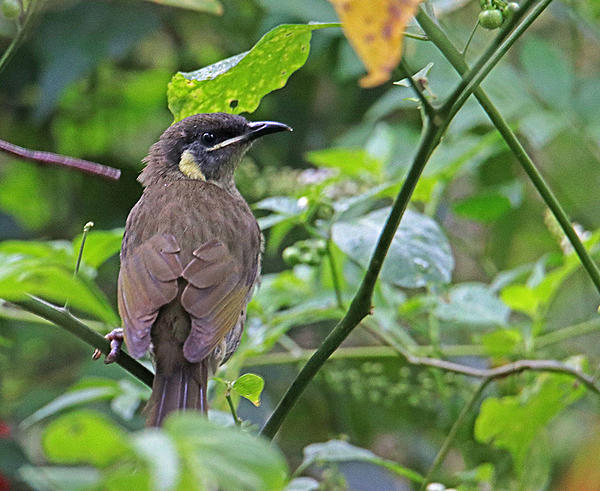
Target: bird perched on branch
x: 190, y: 257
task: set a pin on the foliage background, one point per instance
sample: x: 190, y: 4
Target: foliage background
x: 91, y: 81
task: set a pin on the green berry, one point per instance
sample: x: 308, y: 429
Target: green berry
x: 310, y: 258
x: 491, y: 19
x: 510, y: 9
x: 291, y: 255
x: 10, y: 9
x: 320, y: 247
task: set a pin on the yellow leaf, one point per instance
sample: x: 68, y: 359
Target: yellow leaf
x: 375, y: 29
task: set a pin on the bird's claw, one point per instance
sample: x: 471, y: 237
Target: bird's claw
x: 116, y: 340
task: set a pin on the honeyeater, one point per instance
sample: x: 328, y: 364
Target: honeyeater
x: 190, y: 257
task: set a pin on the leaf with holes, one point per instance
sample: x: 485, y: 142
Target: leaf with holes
x: 237, y: 84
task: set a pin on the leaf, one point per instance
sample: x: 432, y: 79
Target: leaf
x: 473, y: 303
x: 237, y: 84
x: 230, y: 458
x: 548, y: 72
x: 84, y: 437
x: 375, y: 29
x: 208, y: 6
x: 483, y: 207
x: 419, y: 253
x: 350, y: 162
x: 341, y: 451
x: 502, y: 342
x: 42, y: 478
x: 303, y: 484
x: 100, y: 245
x: 513, y: 422
x: 250, y: 386
x: 69, y: 400
x: 160, y: 453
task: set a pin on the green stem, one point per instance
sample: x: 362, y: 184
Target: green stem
x: 441, y: 455
x: 439, y: 38
x: 334, y: 276
x: 20, y: 37
x: 569, y: 332
x: 236, y: 420
x: 62, y: 318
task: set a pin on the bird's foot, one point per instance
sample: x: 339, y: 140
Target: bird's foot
x: 116, y: 340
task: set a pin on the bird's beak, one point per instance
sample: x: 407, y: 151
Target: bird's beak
x: 262, y: 128
x: 256, y: 129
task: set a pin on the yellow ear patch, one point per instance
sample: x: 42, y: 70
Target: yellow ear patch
x: 189, y: 166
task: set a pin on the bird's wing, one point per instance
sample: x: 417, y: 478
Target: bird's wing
x: 215, y: 296
x: 147, y: 281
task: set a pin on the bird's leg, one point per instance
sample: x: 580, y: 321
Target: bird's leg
x: 116, y: 340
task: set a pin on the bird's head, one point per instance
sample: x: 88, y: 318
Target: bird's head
x: 205, y: 147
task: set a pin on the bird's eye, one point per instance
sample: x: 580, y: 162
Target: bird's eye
x: 208, y: 139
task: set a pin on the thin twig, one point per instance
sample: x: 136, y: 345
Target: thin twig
x: 55, y: 159
x: 407, y: 73
x: 441, y: 455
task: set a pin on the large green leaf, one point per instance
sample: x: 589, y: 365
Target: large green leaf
x: 419, y: 254
x: 237, y: 84
x: 84, y: 437
x: 473, y: 304
x: 513, y: 422
x: 100, y: 245
x: 232, y: 459
x: 350, y: 162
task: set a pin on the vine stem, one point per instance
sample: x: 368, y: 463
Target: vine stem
x: 441, y: 455
x: 360, y: 307
x: 439, y: 38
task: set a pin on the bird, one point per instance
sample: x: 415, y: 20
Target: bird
x: 190, y: 257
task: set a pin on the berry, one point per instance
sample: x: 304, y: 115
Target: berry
x: 10, y: 9
x: 491, y: 19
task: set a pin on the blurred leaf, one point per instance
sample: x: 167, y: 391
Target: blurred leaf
x: 250, y: 386
x: 22, y: 194
x: 474, y: 304
x: 43, y: 478
x: 376, y: 30
x: 485, y: 207
x: 513, y: 422
x: 548, y: 72
x: 341, y: 451
x: 350, y: 162
x: 127, y: 401
x: 72, y: 41
x: 237, y: 84
x: 303, y: 484
x: 70, y: 400
x: 502, y: 342
x: 230, y: 458
x: 160, y: 453
x: 100, y: 245
x: 521, y: 298
x: 419, y: 253
x: 84, y: 437
x: 208, y: 6
x: 280, y: 204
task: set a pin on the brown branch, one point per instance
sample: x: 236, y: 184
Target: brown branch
x: 62, y: 160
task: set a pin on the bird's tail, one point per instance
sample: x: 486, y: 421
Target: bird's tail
x: 183, y: 388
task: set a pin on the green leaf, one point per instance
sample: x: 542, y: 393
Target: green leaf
x: 228, y: 457
x: 208, y: 6
x: 237, y: 84
x: 485, y: 208
x: 100, y: 245
x: 419, y: 254
x: 250, y: 386
x: 474, y: 304
x: 43, y: 478
x: 303, y: 484
x: 350, y: 162
x: 548, y: 72
x: 502, y: 342
x: 84, y: 437
x: 521, y: 298
x: 513, y: 422
x: 341, y: 451
x: 69, y: 400
x: 160, y: 453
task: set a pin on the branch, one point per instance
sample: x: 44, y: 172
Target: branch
x: 361, y: 304
x: 62, y: 160
x: 62, y: 318
x: 439, y: 38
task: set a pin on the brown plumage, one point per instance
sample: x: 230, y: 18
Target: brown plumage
x: 190, y: 257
